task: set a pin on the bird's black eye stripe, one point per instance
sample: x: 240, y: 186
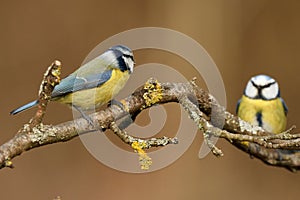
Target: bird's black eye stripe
x: 268, y: 85
x: 254, y: 84
x: 264, y: 86
x: 128, y: 56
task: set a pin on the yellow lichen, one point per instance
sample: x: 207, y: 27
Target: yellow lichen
x: 56, y: 72
x: 144, y: 160
x: 154, y: 92
x: 8, y: 163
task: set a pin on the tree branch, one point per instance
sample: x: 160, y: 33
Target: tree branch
x: 277, y: 150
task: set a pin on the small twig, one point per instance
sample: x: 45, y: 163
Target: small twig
x: 140, y: 144
x: 50, y: 80
x: 215, y: 150
x: 151, y: 142
x: 198, y: 117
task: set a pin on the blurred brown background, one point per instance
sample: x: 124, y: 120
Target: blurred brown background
x: 244, y: 38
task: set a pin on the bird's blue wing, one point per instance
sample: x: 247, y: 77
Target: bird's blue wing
x: 75, y: 82
x: 284, y: 106
x: 90, y: 75
x: 237, y: 106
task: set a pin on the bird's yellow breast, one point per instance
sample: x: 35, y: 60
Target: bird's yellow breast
x: 94, y: 98
x: 270, y: 113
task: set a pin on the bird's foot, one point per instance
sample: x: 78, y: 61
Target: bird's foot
x: 117, y: 103
x: 85, y: 116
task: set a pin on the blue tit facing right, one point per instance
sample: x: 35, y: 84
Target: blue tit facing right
x: 262, y: 105
x: 95, y: 83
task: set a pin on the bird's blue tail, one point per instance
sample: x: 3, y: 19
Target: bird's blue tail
x: 25, y: 107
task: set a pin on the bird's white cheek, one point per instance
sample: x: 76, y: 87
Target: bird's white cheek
x: 270, y: 92
x: 251, y: 91
x: 130, y: 65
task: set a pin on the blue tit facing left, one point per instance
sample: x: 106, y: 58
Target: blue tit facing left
x: 262, y: 105
x: 95, y: 83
